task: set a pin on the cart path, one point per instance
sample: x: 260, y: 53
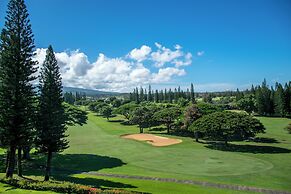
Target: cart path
x: 191, y: 182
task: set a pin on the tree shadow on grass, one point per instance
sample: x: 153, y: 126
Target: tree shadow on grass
x: 255, y: 149
x: 94, y: 182
x: 80, y: 163
x: 66, y: 165
x: 158, y: 129
x: 265, y: 140
x: 116, y: 121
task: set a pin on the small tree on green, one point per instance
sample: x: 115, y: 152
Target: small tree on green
x: 227, y: 126
x: 106, y: 112
x: 167, y: 116
x: 141, y: 117
x: 51, y: 122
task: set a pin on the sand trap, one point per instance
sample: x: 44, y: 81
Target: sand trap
x: 153, y: 139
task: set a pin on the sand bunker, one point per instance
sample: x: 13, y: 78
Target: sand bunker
x: 153, y: 139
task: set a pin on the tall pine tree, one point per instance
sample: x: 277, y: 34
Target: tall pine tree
x: 16, y: 90
x: 51, y: 126
x: 149, y: 97
x: 280, y: 104
x: 192, y: 95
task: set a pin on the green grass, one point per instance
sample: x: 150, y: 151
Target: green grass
x: 97, y: 146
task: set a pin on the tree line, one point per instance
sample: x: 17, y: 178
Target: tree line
x: 265, y: 100
x: 140, y: 94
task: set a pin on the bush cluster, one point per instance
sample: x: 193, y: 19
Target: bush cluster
x: 61, y: 187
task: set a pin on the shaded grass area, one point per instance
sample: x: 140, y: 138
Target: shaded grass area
x: 255, y: 149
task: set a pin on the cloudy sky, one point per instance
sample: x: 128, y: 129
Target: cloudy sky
x: 116, y: 45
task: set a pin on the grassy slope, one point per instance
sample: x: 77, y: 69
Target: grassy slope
x: 96, y: 146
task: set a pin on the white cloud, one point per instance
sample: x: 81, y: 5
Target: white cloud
x: 140, y: 54
x: 185, y: 62
x: 200, y: 53
x: 120, y: 73
x: 158, y: 45
x: 178, y: 47
x: 165, y: 55
x: 165, y: 74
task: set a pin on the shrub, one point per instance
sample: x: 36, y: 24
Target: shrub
x: 60, y: 187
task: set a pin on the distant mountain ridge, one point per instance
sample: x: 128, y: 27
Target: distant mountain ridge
x: 89, y: 92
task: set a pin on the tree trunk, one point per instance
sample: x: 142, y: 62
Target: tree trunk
x: 168, y: 129
x: 48, y: 166
x: 140, y: 130
x: 225, y: 142
x: 26, y: 153
x: 19, y: 165
x: 11, y: 162
x: 196, y: 136
x: 7, y: 159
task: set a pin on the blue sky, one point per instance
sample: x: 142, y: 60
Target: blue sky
x: 240, y: 42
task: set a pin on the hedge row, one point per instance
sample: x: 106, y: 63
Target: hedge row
x: 61, y: 187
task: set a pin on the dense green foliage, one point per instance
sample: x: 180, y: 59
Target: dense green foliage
x: 142, y: 117
x: 74, y: 115
x: 227, y: 126
x: 266, y: 101
x: 126, y: 109
x: 167, y: 116
x: 106, y: 112
x: 191, y: 114
x: 16, y: 90
x: 247, y: 103
x: 206, y: 108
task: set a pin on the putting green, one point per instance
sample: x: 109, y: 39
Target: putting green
x: 216, y: 164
